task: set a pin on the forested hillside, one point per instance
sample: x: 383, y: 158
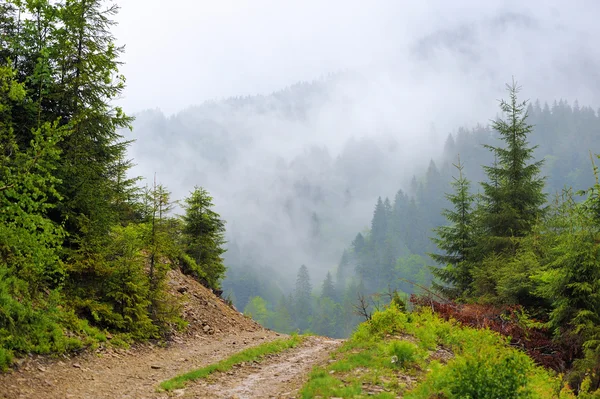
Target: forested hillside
x: 84, y: 249
x: 318, y: 204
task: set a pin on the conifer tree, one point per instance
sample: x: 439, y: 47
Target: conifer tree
x: 328, y: 289
x: 513, y: 197
x: 204, y: 236
x: 69, y: 62
x: 303, y: 309
x: 343, y: 271
x: 456, y: 240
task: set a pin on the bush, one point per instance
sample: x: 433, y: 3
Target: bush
x: 6, y: 358
x: 389, y: 321
x: 492, y: 372
x: 402, y: 353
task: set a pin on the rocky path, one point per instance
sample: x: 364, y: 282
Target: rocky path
x: 279, y: 376
x: 136, y: 374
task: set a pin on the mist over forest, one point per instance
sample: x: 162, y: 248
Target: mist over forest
x: 296, y: 172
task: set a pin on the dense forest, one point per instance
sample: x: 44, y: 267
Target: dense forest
x: 398, y: 242
x: 84, y: 249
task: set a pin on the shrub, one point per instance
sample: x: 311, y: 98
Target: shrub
x: 402, y: 353
x: 493, y: 372
x: 5, y: 359
x: 389, y: 321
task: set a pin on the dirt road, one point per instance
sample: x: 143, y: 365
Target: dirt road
x: 136, y: 374
x: 279, y: 376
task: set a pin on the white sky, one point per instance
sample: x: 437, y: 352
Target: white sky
x: 182, y: 52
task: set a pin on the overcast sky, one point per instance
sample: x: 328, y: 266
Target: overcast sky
x: 183, y: 52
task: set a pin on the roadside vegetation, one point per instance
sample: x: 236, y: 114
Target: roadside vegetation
x: 418, y: 355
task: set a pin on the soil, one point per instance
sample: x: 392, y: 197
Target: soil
x: 279, y: 376
x: 215, y: 332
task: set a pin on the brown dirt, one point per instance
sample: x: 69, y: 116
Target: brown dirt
x: 206, y: 313
x: 122, y: 374
x: 215, y: 332
x: 279, y: 376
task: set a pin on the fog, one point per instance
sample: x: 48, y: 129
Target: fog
x: 296, y: 173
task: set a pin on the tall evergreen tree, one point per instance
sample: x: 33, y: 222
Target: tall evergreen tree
x: 328, y: 289
x: 343, y: 271
x: 513, y: 197
x: 456, y: 240
x: 303, y: 308
x: 379, y: 223
x: 204, y: 236
x: 87, y: 63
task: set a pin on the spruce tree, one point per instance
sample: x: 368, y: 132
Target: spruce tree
x: 328, y: 289
x: 456, y: 240
x: 204, y: 236
x: 379, y: 223
x: 343, y: 271
x: 513, y: 196
x: 87, y: 62
x: 303, y: 308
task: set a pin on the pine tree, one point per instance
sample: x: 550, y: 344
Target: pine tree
x: 204, y: 236
x: 570, y: 280
x: 513, y: 197
x: 379, y: 223
x: 69, y: 51
x: 328, y: 289
x: 303, y: 299
x: 343, y: 271
x: 456, y: 240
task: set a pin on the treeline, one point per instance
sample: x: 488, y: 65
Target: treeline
x: 84, y: 250
x: 329, y: 310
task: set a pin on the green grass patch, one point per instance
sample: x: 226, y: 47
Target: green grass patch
x: 247, y: 355
x: 381, y: 360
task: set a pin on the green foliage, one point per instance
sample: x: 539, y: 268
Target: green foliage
x: 513, y: 196
x: 412, y: 269
x: 6, y: 359
x: 490, y: 373
x: 128, y: 285
x: 303, y: 308
x: 328, y: 289
x: 203, y: 236
x: 456, y: 241
x: 402, y: 353
x: 281, y: 317
x: 257, y: 310
x: 482, y: 364
x: 327, y: 317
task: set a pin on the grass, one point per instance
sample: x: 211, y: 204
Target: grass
x: 247, y: 355
x: 406, y: 354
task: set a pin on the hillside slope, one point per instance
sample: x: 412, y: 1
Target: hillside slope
x: 215, y: 331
